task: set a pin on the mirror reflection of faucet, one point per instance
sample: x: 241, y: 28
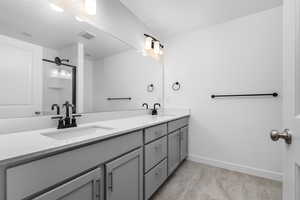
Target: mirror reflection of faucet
x: 146, y: 105
x: 57, y: 108
x: 67, y: 107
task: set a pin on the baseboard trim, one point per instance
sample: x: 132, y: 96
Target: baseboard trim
x: 239, y: 168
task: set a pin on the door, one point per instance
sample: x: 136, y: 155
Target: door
x: 20, y: 78
x: 173, y: 151
x: 87, y: 187
x: 124, y: 177
x: 183, y: 143
x: 291, y: 98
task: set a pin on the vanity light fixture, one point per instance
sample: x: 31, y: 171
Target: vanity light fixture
x: 156, y: 47
x: 56, y: 7
x: 61, y: 74
x: 54, y: 73
x: 148, y: 43
x: 153, y: 46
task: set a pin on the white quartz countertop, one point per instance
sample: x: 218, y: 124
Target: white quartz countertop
x: 24, y: 145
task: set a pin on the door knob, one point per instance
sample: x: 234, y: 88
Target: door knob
x: 276, y: 135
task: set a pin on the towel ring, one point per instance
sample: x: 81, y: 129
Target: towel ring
x: 176, y: 86
x: 150, y: 88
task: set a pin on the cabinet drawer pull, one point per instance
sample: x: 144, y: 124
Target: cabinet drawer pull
x: 110, y: 184
x: 97, y: 189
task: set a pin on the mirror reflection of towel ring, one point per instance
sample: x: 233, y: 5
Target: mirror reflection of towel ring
x: 150, y: 88
x: 176, y: 86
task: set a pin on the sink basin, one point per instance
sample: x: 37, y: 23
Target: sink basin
x: 70, y: 133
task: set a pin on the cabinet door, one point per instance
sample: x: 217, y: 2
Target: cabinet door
x: 124, y: 177
x: 183, y: 143
x: 173, y: 151
x: 87, y: 187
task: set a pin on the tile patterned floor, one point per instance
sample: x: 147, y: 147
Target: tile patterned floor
x: 194, y: 181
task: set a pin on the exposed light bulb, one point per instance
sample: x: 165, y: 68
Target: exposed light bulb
x: 148, y: 43
x: 156, y: 47
x: 56, y: 8
x: 90, y: 7
x: 54, y: 73
x: 63, y: 74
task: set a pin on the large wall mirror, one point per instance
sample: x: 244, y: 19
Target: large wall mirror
x: 48, y: 58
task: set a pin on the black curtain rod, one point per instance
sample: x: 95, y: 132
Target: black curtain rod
x: 51, y: 61
x: 245, y: 95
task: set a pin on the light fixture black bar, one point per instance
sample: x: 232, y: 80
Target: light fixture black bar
x: 155, y: 40
x: 147, y: 35
x: 51, y: 61
x: 125, y: 98
x: 245, y: 95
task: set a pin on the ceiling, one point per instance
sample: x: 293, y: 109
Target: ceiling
x: 34, y: 21
x: 172, y: 17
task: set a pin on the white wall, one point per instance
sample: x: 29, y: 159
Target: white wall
x: 241, y: 56
x: 126, y: 74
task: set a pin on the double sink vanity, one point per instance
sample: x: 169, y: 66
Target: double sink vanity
x: 120, y: 159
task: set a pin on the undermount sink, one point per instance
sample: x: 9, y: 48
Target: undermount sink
x: 70, y: 133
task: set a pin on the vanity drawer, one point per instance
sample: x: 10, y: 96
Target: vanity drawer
x: 155, y: 178
x: 155, y: 132
x: 36, y: 176
x: 155, y: 152
x: 177, y: 124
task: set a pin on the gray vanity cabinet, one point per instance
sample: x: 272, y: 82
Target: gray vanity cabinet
x: 173, y: 151
x: 133, y: 166
x: 88, y: 187
x: 124, y: 177
x: 183, y: 143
